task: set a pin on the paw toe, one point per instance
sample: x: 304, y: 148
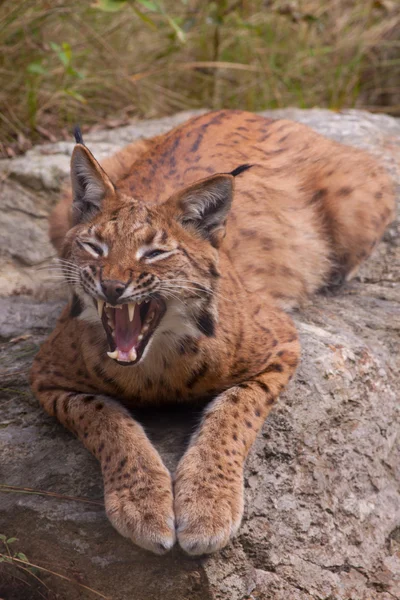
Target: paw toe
x: 152, y: 529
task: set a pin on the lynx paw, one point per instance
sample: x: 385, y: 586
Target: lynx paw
x: 142, y: 510
x: 208, y: 507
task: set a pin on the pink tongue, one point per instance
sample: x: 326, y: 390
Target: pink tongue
x: 126, y: 332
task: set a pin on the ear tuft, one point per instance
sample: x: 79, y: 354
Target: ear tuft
x: 90, y: 185
x: 78, y: 135
x: 204, y: 206
x: 240, y: 170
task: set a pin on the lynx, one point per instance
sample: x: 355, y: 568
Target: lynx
x: 183, y: 256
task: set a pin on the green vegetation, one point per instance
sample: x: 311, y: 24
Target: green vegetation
x: 9, y: 556
x: 110, y: 60
x: 19, y: 562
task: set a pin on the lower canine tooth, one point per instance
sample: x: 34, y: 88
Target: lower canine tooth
x: 113, y: 354
x: 132, y: 354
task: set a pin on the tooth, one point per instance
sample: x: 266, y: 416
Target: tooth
x: 123, y: 359
x: 132, y: 354
x: 113, y: 354
x: 131, y: 310
x: 140, y: 337
x: 100, y: 306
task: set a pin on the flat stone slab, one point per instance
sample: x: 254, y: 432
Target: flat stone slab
x: 322, y: 518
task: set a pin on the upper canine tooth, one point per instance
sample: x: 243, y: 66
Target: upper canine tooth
x: 100, y: 306
x: 131, y: 310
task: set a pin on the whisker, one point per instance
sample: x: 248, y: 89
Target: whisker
x: 199, y: 288
x: 187, y: 306
x: 61, y: 269
x: 188, y: 289
x: 181, y: 287
x: 72, y: 279
x: 184, y: 287
x: 59, y: 272
x: 65, y: 261
x: 180, y: 279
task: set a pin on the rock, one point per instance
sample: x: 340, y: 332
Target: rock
x: 322, y: 515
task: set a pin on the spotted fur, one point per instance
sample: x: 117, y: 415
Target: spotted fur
x: 305, y: 211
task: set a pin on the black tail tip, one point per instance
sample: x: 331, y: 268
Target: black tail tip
x: 78, y: 135
x: 240, y: 170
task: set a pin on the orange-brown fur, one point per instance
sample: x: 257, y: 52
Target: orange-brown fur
x: 307, y: 211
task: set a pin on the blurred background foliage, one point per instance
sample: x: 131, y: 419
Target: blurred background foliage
x: 103, y: 62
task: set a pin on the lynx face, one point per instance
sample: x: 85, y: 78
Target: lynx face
x: 140, y: 270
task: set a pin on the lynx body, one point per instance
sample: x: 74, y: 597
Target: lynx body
x: 182, y: 256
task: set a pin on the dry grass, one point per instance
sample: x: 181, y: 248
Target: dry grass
x: 62, y: 62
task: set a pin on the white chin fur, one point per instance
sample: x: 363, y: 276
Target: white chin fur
x: 174, y: 325
x: 89, y: 313
x: 176, y: 321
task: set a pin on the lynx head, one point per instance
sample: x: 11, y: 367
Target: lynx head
x: 147, y: 273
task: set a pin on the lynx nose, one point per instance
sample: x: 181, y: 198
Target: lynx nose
x: 112, y: 289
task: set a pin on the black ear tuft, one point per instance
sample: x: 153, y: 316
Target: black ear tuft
x: 78, y: 135
x: 240, y: 170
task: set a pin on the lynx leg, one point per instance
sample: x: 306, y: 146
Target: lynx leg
x: 137, y: 485
x: 209, y: 478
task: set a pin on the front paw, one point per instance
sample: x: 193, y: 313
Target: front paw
x: 140, y: 507
x: 208, y: 503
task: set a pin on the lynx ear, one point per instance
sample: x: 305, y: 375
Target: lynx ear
x: 90, y: 184
x: 204, y: 206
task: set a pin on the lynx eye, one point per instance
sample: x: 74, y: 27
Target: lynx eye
x: 92, y: 248
x: 154, y: 253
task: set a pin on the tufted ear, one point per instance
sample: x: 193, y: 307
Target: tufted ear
x: 204, y: 206
x: 90, y: 184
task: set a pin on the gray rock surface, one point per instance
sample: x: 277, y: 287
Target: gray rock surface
x: 322, y: 517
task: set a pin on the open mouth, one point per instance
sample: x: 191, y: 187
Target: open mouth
x: 129, y: 327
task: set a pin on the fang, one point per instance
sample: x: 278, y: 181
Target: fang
x: 131, y: 311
